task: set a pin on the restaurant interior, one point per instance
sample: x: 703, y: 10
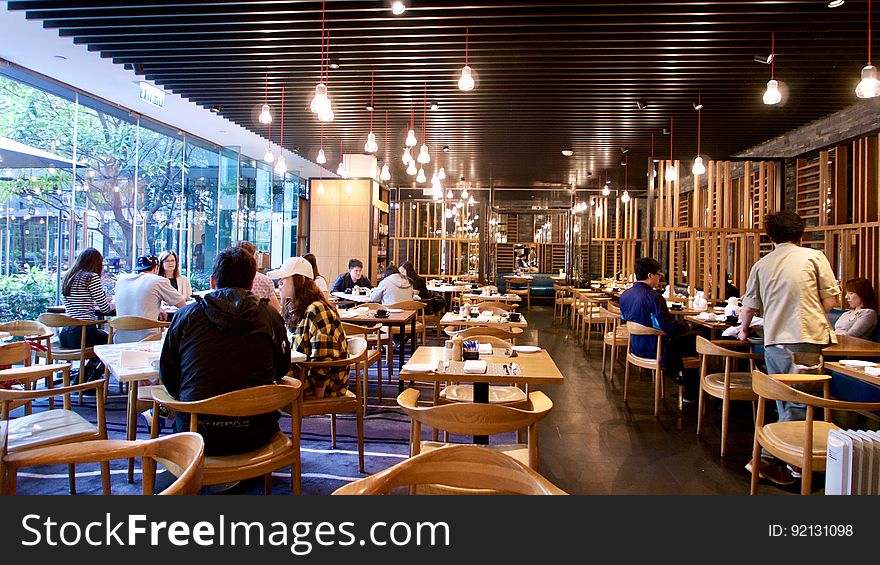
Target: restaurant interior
x: 522, y: 156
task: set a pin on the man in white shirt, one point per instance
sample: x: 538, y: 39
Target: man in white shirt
x: 141, y: 294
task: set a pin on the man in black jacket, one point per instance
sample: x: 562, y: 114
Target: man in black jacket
x: 227, y: 341
x: 354, y: 277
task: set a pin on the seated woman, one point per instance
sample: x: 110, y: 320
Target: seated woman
x: 169, y: 267
x: 314, y: 327
x: 393, y: 288
x: 860, y: 321
x: 434, y: 303
x: 320, y: 281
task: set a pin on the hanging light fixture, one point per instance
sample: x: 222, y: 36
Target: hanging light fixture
x: 423, y: 157
x: 370, y: 146
x: 280, y: 165
x: 322, y: 158
x: 449, y: 194
x: 385, y: 175
x: 441, y: 174
x: 269, y: 156
x: 772, y: 95
x: 420, y: 177
x: 699, y: 168
x: 869, y: 87
x: 407, y: 156
x: 341, y: 170
x: 625, y: 197
x: 464, y: 193
x: 265, y: 113
x: 398, y: 7
x: 321, y: 104
x: 411, y: 168
x: 466, y: 81
x: 670, y: 169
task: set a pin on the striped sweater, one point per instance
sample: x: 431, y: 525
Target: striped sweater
x: 86, y: 294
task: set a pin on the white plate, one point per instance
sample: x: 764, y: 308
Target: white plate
x: 395, y: 309
x: 857, y: 363
x: 418, y: 368
x: 526, y: 348
x: 297, y: 357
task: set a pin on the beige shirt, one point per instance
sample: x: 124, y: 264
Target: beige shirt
x: 789, y: 284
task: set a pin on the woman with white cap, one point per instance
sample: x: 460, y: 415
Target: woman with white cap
x: 314, y: 326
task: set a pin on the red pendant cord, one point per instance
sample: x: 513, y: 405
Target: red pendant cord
x: 772, y: 54
x: 282, y: 120
x: 372, y: 108
x: 341, y: 155
x: 386, y: 136
x: 425, y: 116
x: 699, y: 122
x: 321, y: 68
x: 869, y: 32
x: 670, y: 140
x: 321, y: 167
x: 467, y: 32
x: 412, y: 118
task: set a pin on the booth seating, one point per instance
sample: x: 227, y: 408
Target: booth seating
x: 542, y: 284
x: 851, y: 389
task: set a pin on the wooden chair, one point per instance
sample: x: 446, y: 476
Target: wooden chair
x: 351, y: 403
x: 521, y: 286
x: 467, y: 418
x: 20, y: 353
x: 614, y: 336
x: 471, y: 467
x: 279, y: 452
x: 498, y: 394
x: 133, y: 323
x: 652, y: 364
x: 31, y: 330
x: 800, y: 442
x: 495, y: 306
x: 183, y: 455
x: 421, y: 325
x: 376, y: 340
x: 729, y: 385
x: 562, y: 299
x: 54, y: 426
x: 56, y: 352
x: 508, y: 335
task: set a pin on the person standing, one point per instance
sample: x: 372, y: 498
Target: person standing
x: 229, y: 340
x: 643, y: 305
x: 354, y: 277
x: 141, y: 294
x: 169, y: 267
x: 795, y: 288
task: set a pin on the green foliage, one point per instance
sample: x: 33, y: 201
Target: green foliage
x: 200, y: 281
x: 24, y: 296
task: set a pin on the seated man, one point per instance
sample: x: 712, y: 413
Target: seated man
x: 229, y: 340
x: 643, y: 305
x: 141, y: 294
x: 354, y: 277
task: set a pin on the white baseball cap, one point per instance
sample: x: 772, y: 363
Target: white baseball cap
x: 293, y: 266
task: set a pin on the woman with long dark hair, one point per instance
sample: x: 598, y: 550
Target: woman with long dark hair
x: 320, y: 281
x: 314, y: 327
x: 434, y: 303
x: 169, y: 267
x: 860, y: 321
x: 83, y: 293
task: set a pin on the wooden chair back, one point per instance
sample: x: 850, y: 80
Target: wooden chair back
x: 182, y: 454
x: 15, y: 353
x: 134, y: 323
x: 495, y: 341
x: 29, y: 329
x: 508, y: 335
x: 460, y: 466
x: 496, y: 305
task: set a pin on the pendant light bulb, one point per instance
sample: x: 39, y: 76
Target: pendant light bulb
x: 441, y: 174
x: 605, y: 190
x: 464, y: 192
x: 320, y: 99
x: 411, y: 168
x: 869, y: 87
x: 269, y: 157
x: 598, y: 211
x: 265, y: 115
x: 321, y: 159
x: 421, y: 176
x: 326, y: 114
x: 385, y: 175
x: 411, y: 140
x: 371, y: 146
x: 320, y: 188
x: 449, y: 213
x: 340, y: 170
x: 699, y: 167
x: 407, y: 157
x: 438, y: 194
x: 398, y: 7
x: 423, y: 157
x: 670, y: 172
x: 466, y: 81
x: 280, y: 165
x: 625, y: 196
x: 772, y: 95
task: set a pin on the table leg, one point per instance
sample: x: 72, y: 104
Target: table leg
x: 131, y: 428
x: 481, y: 396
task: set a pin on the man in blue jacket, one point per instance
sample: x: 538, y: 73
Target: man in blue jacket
x: 643, y: 305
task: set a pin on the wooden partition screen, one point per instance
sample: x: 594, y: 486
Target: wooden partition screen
x: 436, y: 245
x: 714, y: 229
x: 614, y: 237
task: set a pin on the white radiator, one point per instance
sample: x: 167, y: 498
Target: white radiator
x: 853, y: 464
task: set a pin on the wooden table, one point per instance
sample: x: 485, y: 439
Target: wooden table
x: 477, y: 298
x: 494, y: 321
x: 849, y: 346
x: 534, y: 369
x: 349, y: 297
x: 854, y: 372
x: 399, y: 319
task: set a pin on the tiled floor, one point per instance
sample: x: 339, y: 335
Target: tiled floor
x: 593, y: 443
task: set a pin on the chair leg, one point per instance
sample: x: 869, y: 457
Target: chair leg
x: 604, y: 351
x: 613, y: 360
x: 756, y: 463
x: 658, y: 385
x: 360, y: 432
x: 700, y: 418
x: 625, y: 381
x: 333, y: 430
x: 71, y: 478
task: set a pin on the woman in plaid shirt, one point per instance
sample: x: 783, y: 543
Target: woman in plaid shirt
x: 315, y: 328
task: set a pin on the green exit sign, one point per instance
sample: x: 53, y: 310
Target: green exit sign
x: 152, y: 94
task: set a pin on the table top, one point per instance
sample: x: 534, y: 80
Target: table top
x: 491, y: 297
x: 534, y: 368
x: 855, y: 372
x: 111, y: 355
x: 453, y: 319
x: 369, y: 317
x: 352, y: 297
x: 849, y: 346
x: 711, y: 324
x: 446, y: 287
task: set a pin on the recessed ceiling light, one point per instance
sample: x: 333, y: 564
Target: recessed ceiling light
x: 369, y: 108
x: 763, y: 59
x: 697, y: 106
x: 624, y: 149
x: 567, y: 152
x: 215, y: 108
x: 835, y: 3
x: 446, y: 149
x: 641, y: 104
x: 60, y: 57
x: 435, y: 106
